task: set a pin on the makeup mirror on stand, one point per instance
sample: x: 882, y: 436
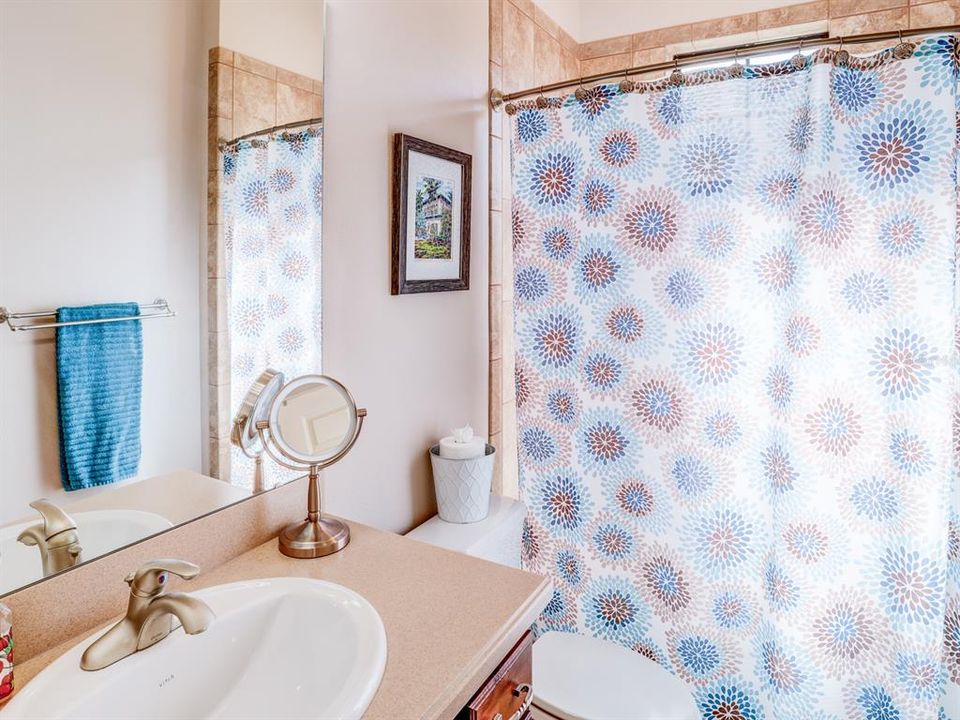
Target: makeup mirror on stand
x: 254, y: 408
x: 307, y: 424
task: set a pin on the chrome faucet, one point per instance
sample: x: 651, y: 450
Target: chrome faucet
x: 150, y: 614
x: 56, y: 538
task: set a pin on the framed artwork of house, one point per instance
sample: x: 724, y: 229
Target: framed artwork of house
x: 431, y: 217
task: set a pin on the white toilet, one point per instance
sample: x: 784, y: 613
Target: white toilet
x: 575, y: 677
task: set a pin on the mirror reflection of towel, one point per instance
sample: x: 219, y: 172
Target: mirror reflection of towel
x: 99, y: 377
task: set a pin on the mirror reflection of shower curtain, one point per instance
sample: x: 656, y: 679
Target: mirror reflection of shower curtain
x: 273, y: 189
x: 736, y: 379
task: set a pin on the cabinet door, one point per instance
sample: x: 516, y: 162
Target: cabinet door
x: 507, y: 694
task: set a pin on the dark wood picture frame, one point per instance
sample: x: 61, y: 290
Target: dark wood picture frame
x: 402, y: 145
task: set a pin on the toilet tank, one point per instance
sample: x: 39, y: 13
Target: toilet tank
x: 495, y: 538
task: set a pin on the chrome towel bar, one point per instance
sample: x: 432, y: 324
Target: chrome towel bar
x: 8, y: 317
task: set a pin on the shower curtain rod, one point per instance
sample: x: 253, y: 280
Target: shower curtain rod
x: 498, y: 98
x: 268, y: 131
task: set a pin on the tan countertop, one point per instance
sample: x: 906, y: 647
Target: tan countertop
x: 449, y: 618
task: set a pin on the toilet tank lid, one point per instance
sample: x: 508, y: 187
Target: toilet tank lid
x: 463, y: 537
x: 576, y: 677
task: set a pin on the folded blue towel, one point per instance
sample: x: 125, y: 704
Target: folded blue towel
x: 99, y: 376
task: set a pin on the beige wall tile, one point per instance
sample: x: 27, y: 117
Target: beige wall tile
x: 546, y: 22
x: 518, y: 49
x: 935, y: 13
x: 496, y: 247
x: 793, y: 14
x: 219, y: 457
x: 546, y: 58
x: 569, y: 65
x: 732, y: 25
x: 217, y: 129
x: 496, y: 395
x: 678, y: 48
x: 724, y: 41
x: 318, y: 86
x: 649, y: 56
x: 527, y: 7
x: 496, y: 172
x: 215, y: 265
x: 294, y: 79
x: 294, y: 104
x: 662, y: 36
x: 496, y: 30
x: 840, y: 8
x: 220, y: 411
x: 220, y: 90
x: 220, y: 55
x: 252, y: 65
x: 567, y: 41
x: 507, y: 262
x: 608, y: 63
x: 870, y: 22
x: 254, y: 102
x: 496, y: 321
x: 496, y: 116
x: 218, y: 354
x: 214, y: 207
x: 800, y: 29
x: 317, y: 105
x: 217, y: 305
x: 606, y: 46
x: 497, y: 487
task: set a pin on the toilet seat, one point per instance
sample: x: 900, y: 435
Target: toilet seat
x: 582, y: 678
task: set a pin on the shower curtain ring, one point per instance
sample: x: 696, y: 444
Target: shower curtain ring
x: 799, y: 61
x: 581, y: 92
x: 542, y: 102
x: 627, y: 85
x: 904, y: 49
x: 676, y: 77
x: 841, y: 56
x: 736, y: 70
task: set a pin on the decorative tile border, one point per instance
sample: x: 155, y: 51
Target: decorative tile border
x: 243, y: 95
x: 527, y: 48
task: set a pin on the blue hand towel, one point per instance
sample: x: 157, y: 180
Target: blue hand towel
x: 99, y: 376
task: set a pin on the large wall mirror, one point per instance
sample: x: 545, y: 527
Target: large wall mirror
x: 161, y: 160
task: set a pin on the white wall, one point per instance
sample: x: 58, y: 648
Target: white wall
x: 102, y: 124
x: 285, y: 33
x: 417, y: 362
x: 566, y: 13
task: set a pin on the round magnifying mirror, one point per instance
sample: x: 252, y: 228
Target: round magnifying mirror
x: 253, y: 409
x: 313, y: 420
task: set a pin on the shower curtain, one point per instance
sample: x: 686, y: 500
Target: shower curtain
x: 737, y: 380
x: 273, y: 191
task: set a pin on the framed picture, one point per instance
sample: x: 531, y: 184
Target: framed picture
x: 431, y: 217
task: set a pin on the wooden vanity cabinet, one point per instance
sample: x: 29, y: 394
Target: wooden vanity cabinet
x: 508, y: 690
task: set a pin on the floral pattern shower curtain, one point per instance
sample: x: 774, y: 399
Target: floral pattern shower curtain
x: 273, y: 191
x: 737, y: 379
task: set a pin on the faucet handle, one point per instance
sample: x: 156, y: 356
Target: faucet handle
x: 55, y: 520
x: 151, y: 578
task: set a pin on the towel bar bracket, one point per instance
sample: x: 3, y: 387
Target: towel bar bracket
x: 161, y: 305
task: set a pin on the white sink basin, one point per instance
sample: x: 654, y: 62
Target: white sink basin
x: 100, y: 531
x: 278, y: 648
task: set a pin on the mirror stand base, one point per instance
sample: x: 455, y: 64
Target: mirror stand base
x: 313, y: 539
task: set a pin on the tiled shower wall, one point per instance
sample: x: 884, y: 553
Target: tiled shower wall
x: 244, y: 95
x: 528, y: 49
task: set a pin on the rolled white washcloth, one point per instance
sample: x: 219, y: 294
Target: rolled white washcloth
x: 462, y: 445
